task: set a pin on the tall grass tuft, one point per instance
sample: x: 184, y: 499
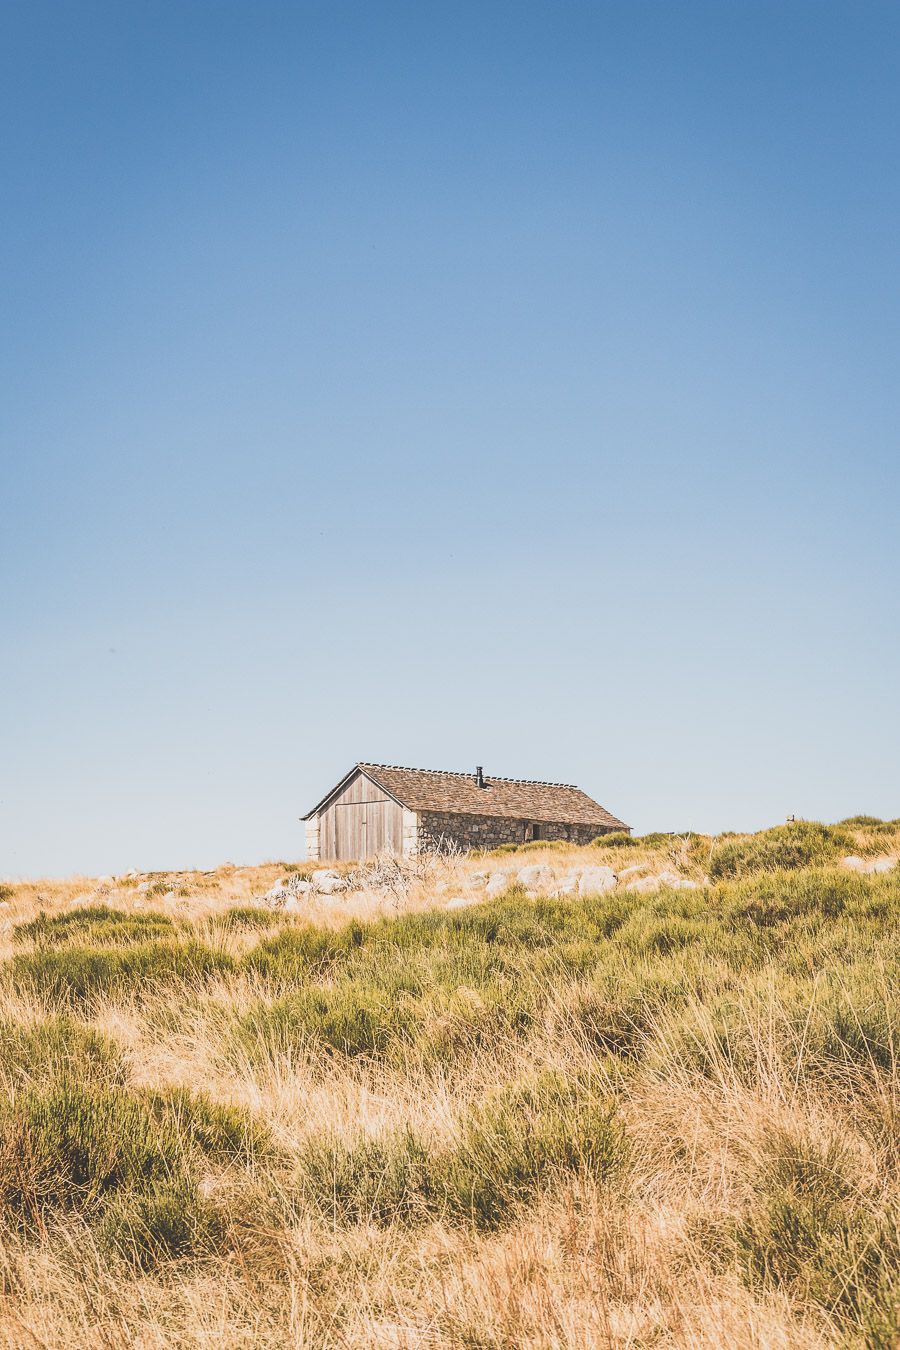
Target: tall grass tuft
x: 784, y: 848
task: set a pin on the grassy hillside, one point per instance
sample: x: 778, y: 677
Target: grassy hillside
x: 662, y: 1118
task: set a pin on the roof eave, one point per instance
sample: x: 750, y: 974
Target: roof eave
x: 338, y: 787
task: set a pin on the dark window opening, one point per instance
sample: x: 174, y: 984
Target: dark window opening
x: 532, y: 831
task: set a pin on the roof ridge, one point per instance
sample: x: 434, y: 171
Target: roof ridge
x: 463, y: 773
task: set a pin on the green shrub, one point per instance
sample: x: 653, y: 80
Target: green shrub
x: 615, y: 839
x: 220, y: 1132
x: 302, y: 952
x: 70, y: 1146
x: 861, y: 822
x: 246, y: 918
x: 59, y: 1047
x: 380, y: 1180
x: 807, y: 1232
x: 510, y: 1147
x: 164, y: 1222
x: 127, y: 1162
x: 73, y: 974
x: 349, y: 1019
x: 785, y: 848
x: 522, y: 1138
x: 6, y: 892
x: 97, y: 924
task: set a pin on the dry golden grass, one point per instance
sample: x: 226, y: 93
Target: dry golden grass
x: 704, y: 1017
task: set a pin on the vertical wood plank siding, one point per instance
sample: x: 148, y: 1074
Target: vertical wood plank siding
x: 359, y: 822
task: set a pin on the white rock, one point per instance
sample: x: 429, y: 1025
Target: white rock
x: 291, y: 904
x: 596, y: 880
x: 479, y: 878
x: 536, y: 877
x: 630, y: 871
x: 498, y: 884
x: 568, y: 882
x: 643, y: 884
x: 670, y: 879
x: 327, y: 882
x: 869, y: 865
x: 460, y: 902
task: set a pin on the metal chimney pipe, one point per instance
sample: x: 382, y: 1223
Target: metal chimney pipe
x: 479, y: 777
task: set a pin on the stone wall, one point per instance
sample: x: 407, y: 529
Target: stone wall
x: 443, y: 828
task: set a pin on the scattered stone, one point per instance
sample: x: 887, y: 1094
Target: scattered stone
x: 327, y: 882
x: 630, y: 871
x: 671, y: 880
x: 536, y: 877
x: 479, y: 878
x: 869, y: 865
x: 596, y: 880
x: 643, y: 884
x: 568, y: 882
x: 498, y: 884
x: 460, y: 902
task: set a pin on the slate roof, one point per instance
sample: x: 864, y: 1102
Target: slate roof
x: 458, y: 793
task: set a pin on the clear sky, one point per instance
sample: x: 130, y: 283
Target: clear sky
x: 486, y: 383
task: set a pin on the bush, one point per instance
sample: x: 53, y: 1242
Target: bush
x: 94, y: 923
x: 349, y: 1019
x: 509, y: 1147
x: 6, y: 892
x: 162, y: 1223
x: 221, y: 1133
x: 70, y: 1146
x: 615, y: 839
x: 127, y: 1162
x: 59, y: 1047
x: 246, y: 918
x: 301, y: 953
x: 787, y: 847
x: 75, y: 974
x: 861, y: 822
x: 807, y: 1232
x: 523, y: 1137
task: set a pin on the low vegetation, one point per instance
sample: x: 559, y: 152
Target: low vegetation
x: 627, y: 1119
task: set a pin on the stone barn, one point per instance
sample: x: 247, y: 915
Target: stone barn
x: 378, y: 808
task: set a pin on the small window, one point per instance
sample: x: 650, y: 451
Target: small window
x: 532, y: 831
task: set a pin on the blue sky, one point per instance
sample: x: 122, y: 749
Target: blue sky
x: 443, y: 384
